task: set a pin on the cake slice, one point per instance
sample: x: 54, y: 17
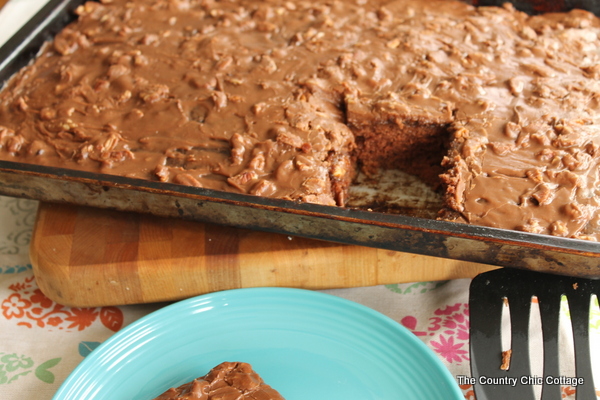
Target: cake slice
x: 226, y: 381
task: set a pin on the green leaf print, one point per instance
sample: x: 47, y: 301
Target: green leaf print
x: 415, y: 288
x: 13, y: 367
x: 42, y: 372
x: 14, y: 377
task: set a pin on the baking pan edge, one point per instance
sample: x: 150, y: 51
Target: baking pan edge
x: 387, y: 231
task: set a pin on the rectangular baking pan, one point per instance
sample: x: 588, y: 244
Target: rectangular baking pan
x: 404, y: 233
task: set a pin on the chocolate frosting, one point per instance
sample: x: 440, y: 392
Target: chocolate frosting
x: 265, y: 97
x: 226, y: 381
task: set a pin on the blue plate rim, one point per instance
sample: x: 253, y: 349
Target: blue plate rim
x: 184, y: 304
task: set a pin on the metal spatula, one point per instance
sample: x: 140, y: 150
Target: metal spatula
x: 489, y: 293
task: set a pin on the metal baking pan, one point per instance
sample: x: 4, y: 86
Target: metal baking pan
x: 390, y: 231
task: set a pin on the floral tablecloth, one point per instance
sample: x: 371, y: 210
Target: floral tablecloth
x: 41, y: 342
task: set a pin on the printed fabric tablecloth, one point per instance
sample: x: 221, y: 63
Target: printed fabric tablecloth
x: 41, y: 342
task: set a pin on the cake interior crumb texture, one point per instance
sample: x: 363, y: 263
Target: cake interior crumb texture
x: 495, y: 109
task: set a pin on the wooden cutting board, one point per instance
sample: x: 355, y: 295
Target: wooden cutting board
x: 87, y: 257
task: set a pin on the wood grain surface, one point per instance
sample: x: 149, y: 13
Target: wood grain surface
x: 89, y: 257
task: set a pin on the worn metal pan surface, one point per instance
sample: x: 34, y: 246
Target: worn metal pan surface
x: 407, y: 233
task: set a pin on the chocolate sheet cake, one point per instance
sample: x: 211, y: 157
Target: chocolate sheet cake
x: 226, y: 381
x: 495, y: 108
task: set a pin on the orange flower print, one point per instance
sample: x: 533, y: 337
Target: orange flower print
x: 55, y: 321
x: 29, y: 306
x: 82, y: 318
x: 568, y: 392
x: 39, y: 298
x: 468, y: 392
x: 14, y: 306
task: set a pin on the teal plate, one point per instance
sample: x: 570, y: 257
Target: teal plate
x: 307, y: 345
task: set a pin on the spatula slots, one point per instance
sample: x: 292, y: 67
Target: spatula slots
x: 489, y: 293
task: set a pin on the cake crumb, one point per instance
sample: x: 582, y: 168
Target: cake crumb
x: 506, y: 360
